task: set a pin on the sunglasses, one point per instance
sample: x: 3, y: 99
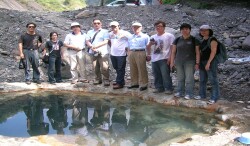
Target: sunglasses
x: 31, y: 27
x: 96, y: 23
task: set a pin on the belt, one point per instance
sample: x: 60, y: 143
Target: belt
x: 30, y: 49
x: 134, y: 50
x: 74, y: 49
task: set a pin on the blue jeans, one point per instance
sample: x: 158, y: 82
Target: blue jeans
x: 211, y: 74
x: 185, y: 77
x: 161, y: 71
x: 54, y: 70
x: 119, y: 64
x: 31, y: 59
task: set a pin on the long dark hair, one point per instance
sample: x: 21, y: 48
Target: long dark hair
x: 50, y: 35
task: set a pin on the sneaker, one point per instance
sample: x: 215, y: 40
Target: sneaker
x: 106, y: 83
x: 73, y: 82
x: 97, y: 82
x: 38, y: 82
x: 187, y: 97
x: 28, y: 82
x: 178, y: 94
x: 197, y: 97
x: 168, y: 92
x: 211, y: 101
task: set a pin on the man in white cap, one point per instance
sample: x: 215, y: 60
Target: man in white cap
x: 75, y: 42
x: 98, y: 38
x: 119, y: 43
x: 137, y: 58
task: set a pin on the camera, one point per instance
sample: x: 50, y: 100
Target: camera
x: 152, y: 40
x: 96, y: 53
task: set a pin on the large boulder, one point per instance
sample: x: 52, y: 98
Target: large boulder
x: 246, y: 43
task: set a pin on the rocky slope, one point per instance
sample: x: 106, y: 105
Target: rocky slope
x: 231, y: 25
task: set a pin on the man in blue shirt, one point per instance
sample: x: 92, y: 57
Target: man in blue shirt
x: 99, y: 50
x: 137, y: 58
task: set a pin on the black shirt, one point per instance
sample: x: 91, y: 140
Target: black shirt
x: 206, y: 49
x: 55, y: 46
x: 185, y: 49
x: 30, y: 41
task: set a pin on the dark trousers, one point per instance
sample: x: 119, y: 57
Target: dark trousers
x: 119, y: 64
x: 31, y: 59
x: 54, y: 70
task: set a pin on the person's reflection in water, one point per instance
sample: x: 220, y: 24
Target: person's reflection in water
x: 57, y: 115
x: 35, y: 119
x: 78, y: 125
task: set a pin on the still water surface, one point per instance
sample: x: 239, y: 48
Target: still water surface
x: 101, y: 117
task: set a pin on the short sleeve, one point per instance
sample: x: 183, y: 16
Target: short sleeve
x: 47, y: 44
x: 67, y: 38
x: 60, y: 43
x: 172, y: 38
x: 40, y: 39
x: 20, y: 39
x: 106, y: 35
x: 197, y: 42
x: 175, y: 41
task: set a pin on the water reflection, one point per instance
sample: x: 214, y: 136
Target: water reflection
x: 57, y: 114
x: 99, y: 119
x: 35, y: 118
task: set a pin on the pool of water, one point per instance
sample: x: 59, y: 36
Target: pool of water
x: 102, y: 118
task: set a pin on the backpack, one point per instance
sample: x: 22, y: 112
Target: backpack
x: 221, y: 54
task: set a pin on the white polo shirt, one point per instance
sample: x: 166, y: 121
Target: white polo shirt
x: 119, y: 42
x: 76, y: 40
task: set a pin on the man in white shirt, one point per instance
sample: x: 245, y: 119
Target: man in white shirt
x: 99, y: 51
x: 75, y: 42
x: 119, y: 43
x: 161, y: 43
x: 137, y: 58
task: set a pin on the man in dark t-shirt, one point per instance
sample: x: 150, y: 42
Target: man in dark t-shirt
x: 28, y: 45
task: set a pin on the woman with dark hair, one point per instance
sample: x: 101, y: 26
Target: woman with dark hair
x: 54, y: 47
x: 208, y: 64
x: 185, y: 56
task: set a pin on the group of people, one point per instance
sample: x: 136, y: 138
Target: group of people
x: 185, y: 53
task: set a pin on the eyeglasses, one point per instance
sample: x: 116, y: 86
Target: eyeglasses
x: 96, y: 23
x: 159, y: 26
x: 31, y: 27
x: 113, y: 26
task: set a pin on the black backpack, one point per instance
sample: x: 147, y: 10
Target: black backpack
x: 221, y: 54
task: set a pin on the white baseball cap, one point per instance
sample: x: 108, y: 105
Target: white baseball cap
x: 114, y: 23
x: 137, y: 24
x: 205, y: 27
x: 74, y: 24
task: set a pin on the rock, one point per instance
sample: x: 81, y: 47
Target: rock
x: 228, y: 41
x: 248, y: 107
x: 246, y: 43
x: 213, y: 13
x: 86, y: 14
